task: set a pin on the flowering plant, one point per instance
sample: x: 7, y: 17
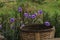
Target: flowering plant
x: 32, y: 18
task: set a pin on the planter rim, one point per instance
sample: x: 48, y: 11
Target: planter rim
x: 45, y: 30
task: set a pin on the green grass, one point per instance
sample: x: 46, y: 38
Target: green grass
x: 49, y: 7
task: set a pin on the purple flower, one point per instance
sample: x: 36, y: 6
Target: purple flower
x: 33, y: 16
x: 26, y: 14
x: 19, y: 9
x: 47, y: 23
x: 12, y: 19
x: 40, y: 11
x: 0, y: 26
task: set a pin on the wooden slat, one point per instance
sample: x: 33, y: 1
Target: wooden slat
x: 53, y: 39
x: 37, y: 36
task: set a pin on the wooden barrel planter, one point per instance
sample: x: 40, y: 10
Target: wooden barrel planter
x: 37, y: 32
x: 2, y: 37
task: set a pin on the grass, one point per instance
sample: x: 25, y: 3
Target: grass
x: 49, y: 7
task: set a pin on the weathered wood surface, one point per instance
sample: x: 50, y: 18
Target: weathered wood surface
x: 57, y: 38
x: 53, y: 39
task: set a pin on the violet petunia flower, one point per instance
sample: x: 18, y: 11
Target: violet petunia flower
x: 12, y: 19
x: 33, y: 16
x: 26, y: 14
x: 19, y: 9
x: 40, y: 11
x: 47, y: 23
